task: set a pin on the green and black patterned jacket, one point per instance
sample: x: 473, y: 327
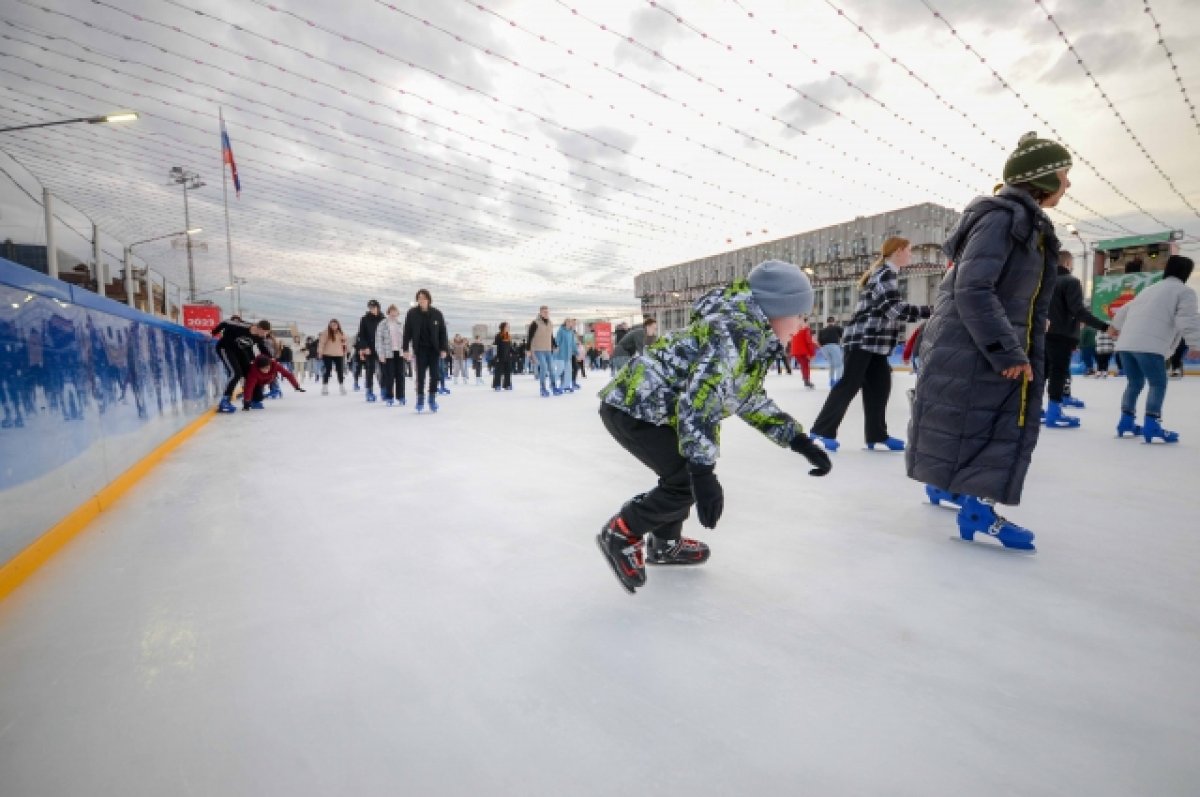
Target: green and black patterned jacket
x: 694, y: 378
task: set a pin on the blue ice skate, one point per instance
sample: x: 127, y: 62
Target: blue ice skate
x: 370, y: 396
x: 421, y: 403
x: 390, y: 402
x: 828, y: 443
x: 1128, y: 425
x: 545, y: 393
x: 275, y: 392
x: 977, y: 517
x: 1071, y: 401
x: 256, y: 405
x: 226, y: 406
x: 891, y: 443
x: 1057, y: 419
x: 433, y: 405
x: 1152, y: 428
x: 938, y: 496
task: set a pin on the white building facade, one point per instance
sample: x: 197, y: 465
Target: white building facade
x: 834, y: 257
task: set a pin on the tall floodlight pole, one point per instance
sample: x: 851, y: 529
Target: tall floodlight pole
x: 190, y: 181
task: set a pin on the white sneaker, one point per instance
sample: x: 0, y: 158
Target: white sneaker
x: 324, y: 390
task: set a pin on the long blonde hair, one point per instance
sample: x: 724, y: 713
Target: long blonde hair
x: 890, y: 247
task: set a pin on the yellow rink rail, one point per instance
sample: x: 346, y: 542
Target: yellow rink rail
x: 14, y: 572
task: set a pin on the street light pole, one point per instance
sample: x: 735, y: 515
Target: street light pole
x: 122, y: 116
x: 190, y: 182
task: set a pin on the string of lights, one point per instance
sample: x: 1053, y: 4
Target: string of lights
x: 258, y: 81
x: 103, y: 201
x: 397, y: 175
x: 1008, y: 86
x: 456, y: 112
x: 1112, y: 107
x: 492, y: 98
x: 729, y: 48
x: 99, y: 205
x: 1187, y: 100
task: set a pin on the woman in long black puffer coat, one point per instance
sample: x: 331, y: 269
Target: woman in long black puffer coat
x: 976, y: 412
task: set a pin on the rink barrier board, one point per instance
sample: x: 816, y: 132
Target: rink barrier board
x: 42, y: 546
x: 14, y: 572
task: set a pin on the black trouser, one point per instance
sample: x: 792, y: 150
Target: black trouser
x: 478, y: 368
x: 1177, y: 357
x: 502, y: 372
x: 330, y: 363
x: 236, y: 364
x: 869, y: 373
x: 428, y: 362
x: 369, y: 365
x: 577, y: 369
x: 391, y: 380
x: 1058, y: 364
x: 1102, y: 360
x: 663, y: 509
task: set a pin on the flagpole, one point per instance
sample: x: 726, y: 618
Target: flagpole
x: 236, y: 297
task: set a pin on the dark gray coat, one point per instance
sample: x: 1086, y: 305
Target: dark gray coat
x: 973, y: 431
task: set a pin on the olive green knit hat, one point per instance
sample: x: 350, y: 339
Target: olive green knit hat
x: 1035, y: 161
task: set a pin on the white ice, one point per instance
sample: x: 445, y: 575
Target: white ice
x: 335, y: 598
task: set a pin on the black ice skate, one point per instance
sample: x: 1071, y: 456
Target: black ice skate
x: 683, y: 551
x: 624, y: 553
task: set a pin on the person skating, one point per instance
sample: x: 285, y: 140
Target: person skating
x: 975, y: 413
x: 1150, y: 329
x: 425, y: 334
x: 458, y: 348
x: 364, y: 345
x: 829, y: 338
x: 541, y: 350
x: 804, y: 348
x: 235, y: 347
x: 666, y: 405
x: 503, y: 361
x: 868, y: 340
x: 389, y: 342
x: 332, y: 346
x: 1067, y: 311
x: 263, y: 372
x: 476, y: 352
x: 564, y: 348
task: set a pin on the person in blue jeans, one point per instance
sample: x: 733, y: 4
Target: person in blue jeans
x: 542, y: 346
x: 564, y: 349
x: 1150, y: 329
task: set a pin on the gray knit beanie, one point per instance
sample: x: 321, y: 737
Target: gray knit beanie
x: 781, y: 289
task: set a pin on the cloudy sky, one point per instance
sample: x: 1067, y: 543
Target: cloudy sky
x: 508, y: 153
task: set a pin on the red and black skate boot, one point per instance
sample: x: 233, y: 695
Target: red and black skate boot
x: 624, y: 553
x: 683, y: 551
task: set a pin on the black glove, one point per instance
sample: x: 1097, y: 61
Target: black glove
x: 300, y: 390
x: 710, y: 498
x: 816, y: 455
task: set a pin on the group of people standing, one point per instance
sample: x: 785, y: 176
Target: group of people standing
x: 392, y: 348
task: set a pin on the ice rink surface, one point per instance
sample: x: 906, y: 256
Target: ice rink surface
x: 335, y: 598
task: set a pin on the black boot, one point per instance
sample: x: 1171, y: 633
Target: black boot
x: 682, y: 551
x: 624, y: 552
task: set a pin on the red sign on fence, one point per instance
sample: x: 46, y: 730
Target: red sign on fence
x: 603, y: 330
x: 201, y: 317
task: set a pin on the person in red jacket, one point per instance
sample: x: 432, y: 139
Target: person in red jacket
x: 263, y: 373
x: 804, y: 348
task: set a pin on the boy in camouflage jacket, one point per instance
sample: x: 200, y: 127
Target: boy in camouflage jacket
x: 666, y: 406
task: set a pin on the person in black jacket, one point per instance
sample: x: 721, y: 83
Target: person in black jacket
x: 235, y: 346
x: 1067, y: 310
x: 475, y: 353
x: 502, y: 365
x: 425, y: 332
x: 364, y: 346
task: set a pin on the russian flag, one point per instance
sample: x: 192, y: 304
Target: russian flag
x: 227, y: 157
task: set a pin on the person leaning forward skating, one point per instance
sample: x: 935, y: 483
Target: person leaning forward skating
x: 666, y: 405
x: 975, y: 415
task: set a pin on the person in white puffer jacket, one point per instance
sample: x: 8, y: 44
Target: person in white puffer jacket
x: 1151, y: 327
